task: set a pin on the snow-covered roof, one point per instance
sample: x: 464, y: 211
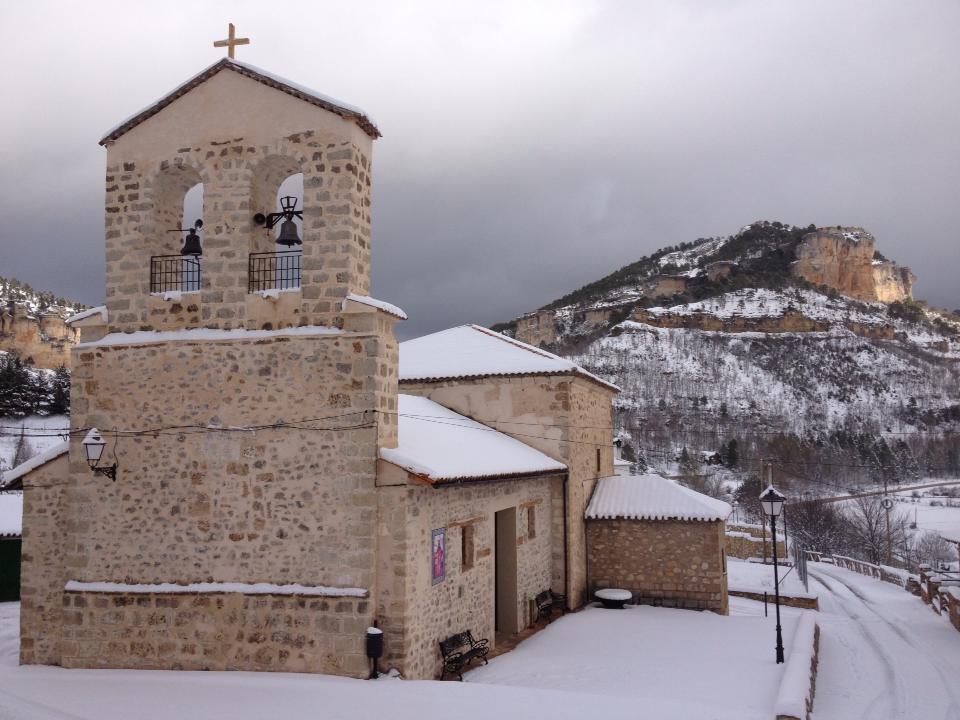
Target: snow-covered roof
x: 275, y: 81
x: 51, y: 453
x: 100, y: 310
x: 471, y: 351
x: 651, y: 497
x: 441, y: 446
x: 378, y: 304
x: 11, y: 514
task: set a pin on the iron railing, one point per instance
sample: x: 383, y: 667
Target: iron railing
x: 174, y: 273
x: 274, y: 271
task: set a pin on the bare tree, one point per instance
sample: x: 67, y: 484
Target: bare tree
x: 932, y: 549
x: 867, y: 524
x: 819, y: 526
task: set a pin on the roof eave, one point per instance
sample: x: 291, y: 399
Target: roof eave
x: 362, y: 120
x: 447, y: 482
x: 483, y: 376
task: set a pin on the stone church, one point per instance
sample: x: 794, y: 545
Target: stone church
x: 279, y: 473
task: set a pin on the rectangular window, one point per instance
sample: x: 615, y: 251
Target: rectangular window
x: 598, y: 461
x: 531, y: 522
x: 466, y: 547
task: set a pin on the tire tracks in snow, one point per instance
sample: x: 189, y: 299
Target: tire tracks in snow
x: 892, y: 693
x: 953, y: 710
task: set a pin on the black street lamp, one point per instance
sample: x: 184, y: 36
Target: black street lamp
x: 772, y: 503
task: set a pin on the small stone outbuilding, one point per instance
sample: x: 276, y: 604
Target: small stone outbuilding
x: 662, y: 541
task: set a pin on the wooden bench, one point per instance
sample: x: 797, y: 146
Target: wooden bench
x: 547, y: 601
x: 460, y: 650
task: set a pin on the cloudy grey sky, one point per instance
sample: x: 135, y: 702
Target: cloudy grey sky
x: 529, y: 147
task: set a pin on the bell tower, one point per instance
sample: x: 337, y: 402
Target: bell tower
x: 240, y: 132
x: 243, y: 382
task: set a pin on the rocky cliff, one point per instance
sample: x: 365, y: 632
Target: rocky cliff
x: 800, y: 343
x: 844, y: 259
x: 32, y: 324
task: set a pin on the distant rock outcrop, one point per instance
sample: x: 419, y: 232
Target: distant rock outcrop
x: 43, y: 340
x: 842, y: 258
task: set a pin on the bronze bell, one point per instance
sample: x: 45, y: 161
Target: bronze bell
x: 191, y: 244
x: 288, y: 234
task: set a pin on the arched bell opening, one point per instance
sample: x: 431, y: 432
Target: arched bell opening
x: 176, y: 245
x: 277, y: 237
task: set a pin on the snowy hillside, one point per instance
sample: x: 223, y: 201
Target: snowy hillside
x: 718, y: 340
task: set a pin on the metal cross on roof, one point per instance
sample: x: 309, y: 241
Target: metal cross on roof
x: 231, y: 41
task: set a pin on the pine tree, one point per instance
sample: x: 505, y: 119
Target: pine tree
x: 24, y: 451
x: 60, y: 392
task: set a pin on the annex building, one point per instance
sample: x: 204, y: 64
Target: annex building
x: 279, y: 473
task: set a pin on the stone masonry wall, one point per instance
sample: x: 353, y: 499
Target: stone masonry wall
x: 664, y: 562
x: 465, y: 599
x: 198, y: 140
x: 42, y: 571
x: 590, y: 456
x: 274, y: 505
x: 567, y: 418
x: 218, y: 631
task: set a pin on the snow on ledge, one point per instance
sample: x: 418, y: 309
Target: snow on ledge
x: 795, y: 696
x: 378, y: 304
x: 99, y: 309
x: 146, y: 337
x: 174, y: 295
x: 274, y: 293
x: 215, y: 587
x: 52, y: 452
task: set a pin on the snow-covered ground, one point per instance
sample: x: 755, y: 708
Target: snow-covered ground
x: 671, y: 663
x: 883, y: 653
x: 39, y: 430
x: 647, y: 663
x: 939, y: 517
x: 758, y: 578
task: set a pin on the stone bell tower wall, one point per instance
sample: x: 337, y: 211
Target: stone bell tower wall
x: 260, y: 504
x: 241, y: 139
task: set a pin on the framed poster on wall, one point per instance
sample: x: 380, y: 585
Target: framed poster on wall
x: 438, y: 555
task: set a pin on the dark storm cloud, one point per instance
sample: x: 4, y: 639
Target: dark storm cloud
x: 528, y: 147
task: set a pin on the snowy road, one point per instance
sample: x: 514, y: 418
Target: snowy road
x: 884, y: 655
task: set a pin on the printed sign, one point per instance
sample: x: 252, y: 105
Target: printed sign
x: 438, y: 555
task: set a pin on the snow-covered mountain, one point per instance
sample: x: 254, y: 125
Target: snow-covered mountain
x: 726, y: 338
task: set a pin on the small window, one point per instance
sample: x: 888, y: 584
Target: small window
x: 466, y: 547
x: 531, y: 522
x: 598, y: 461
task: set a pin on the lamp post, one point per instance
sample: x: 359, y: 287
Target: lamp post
x: 772, y: 503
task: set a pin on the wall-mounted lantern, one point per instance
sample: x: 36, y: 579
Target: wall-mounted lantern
x: 93, y: 445
x: 288, y: 231
x: 191, y: 243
